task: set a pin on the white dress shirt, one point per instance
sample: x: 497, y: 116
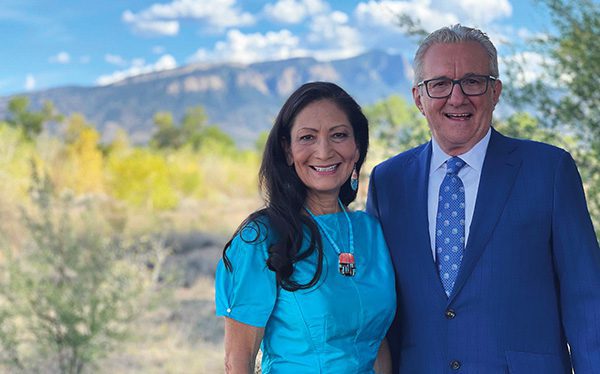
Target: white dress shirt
x: 469, y: 174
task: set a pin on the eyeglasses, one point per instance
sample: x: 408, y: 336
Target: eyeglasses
x: 441, y: 88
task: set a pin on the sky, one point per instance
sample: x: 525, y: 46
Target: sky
x: 48, y: 44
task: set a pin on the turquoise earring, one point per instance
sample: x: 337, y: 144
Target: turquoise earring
x: 354, y: 179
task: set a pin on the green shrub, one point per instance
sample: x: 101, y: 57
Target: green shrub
x: 67, y: 296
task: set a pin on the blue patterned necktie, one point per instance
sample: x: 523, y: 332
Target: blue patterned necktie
x: 450, y: 224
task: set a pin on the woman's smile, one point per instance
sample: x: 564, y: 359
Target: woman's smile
x: 326, y: 169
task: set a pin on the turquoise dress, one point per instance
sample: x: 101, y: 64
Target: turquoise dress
x: 335, y: 326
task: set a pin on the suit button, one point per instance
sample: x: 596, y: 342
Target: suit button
x: 455, y: 365
x: 450, y: 314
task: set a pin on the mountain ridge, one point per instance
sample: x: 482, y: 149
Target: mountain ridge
x: 242, y: 99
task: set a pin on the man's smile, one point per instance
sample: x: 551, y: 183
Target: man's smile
x: 458, y: 116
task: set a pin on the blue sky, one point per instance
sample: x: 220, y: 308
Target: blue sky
x: 72, y: 42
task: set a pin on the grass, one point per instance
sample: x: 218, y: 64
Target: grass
x: 162, y: 343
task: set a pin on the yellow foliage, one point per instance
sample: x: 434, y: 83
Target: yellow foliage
x: 15, y: 171
x: 78, y: 166
x: 119, y: 143
x: 15, y: 156
x: 141, y: 178
x: 87, y: 160
x: 140, y: 182
x: 185, y: 173
x: 230, y: 174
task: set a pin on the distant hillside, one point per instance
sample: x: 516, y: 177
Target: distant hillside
x: 242, y: 99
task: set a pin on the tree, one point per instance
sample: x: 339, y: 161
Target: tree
x: 525, y: 126
x: 566, y: 94
x: 83, y: 161
x: 142, y: 179
x: 167, y: 135
x: 193, y: 123
x: 31, y: 123
x: 120, y: 143
x: 565, y: 97
x: 396, y: 125
x: 192, y: 129
x: 216, y: 139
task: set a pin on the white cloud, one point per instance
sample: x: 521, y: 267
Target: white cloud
x: 527, y: 35
x: 530, y: 63
x: 163, y: 19
x: 329, y: 35
x: 380, y: 13
x: 383, y: 15
x: 433, y: 14
x: 60, y: 58
x: 333, y: 37
x: 115, y: 59
x: 482, y: 12
x: 509, y: 39
x: 379, y: 20
x: 29, y: 82
x: 247, y: 48
x: 524, y: 33
x: 166, y: 62
x: 294, y: 11
x: 138, y: 67
x: 150, y: 27
x: 158, y: 49
x: 137, y: 62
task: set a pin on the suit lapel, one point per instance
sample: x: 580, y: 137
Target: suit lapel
x: 418, y: 180
x: 498, y: 175
x: 418, y: 183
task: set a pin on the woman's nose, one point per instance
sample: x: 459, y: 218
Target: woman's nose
x: 324, y: 149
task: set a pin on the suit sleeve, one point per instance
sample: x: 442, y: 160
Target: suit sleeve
x: 372, y: 207
x: 577, y: 261
x: 394, y: 330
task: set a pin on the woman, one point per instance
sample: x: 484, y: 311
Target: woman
x: 304, y: 276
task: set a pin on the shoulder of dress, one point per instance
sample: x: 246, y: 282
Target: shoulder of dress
x: 362, y: 216
x: 255, y: 232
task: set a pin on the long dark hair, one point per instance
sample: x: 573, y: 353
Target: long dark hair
x: 285, y: 194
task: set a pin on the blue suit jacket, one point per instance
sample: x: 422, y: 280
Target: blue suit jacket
x: 529, y: 282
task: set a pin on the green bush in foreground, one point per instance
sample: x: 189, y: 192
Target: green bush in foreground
x: 67, y: 295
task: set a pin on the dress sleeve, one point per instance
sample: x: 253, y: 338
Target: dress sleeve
x: 248, y: 292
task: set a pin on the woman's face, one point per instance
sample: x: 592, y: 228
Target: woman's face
x: 322, y: 149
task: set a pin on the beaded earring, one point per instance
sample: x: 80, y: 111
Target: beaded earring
x: 354, y: 179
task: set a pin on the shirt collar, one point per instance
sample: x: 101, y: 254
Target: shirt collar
x: 473, y: 157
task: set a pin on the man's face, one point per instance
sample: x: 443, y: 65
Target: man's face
x: 457, y: 122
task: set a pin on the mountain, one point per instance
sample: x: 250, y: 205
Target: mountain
x: 241, y: 99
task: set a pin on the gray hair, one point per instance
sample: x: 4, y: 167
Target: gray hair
x: 455, y: 34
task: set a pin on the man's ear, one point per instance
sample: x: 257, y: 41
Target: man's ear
x: 416, y: 92
x: 497, y: 90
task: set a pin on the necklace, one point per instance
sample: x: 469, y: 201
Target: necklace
x: 346, y: 264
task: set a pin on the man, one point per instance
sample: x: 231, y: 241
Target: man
x: 497, y: 263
